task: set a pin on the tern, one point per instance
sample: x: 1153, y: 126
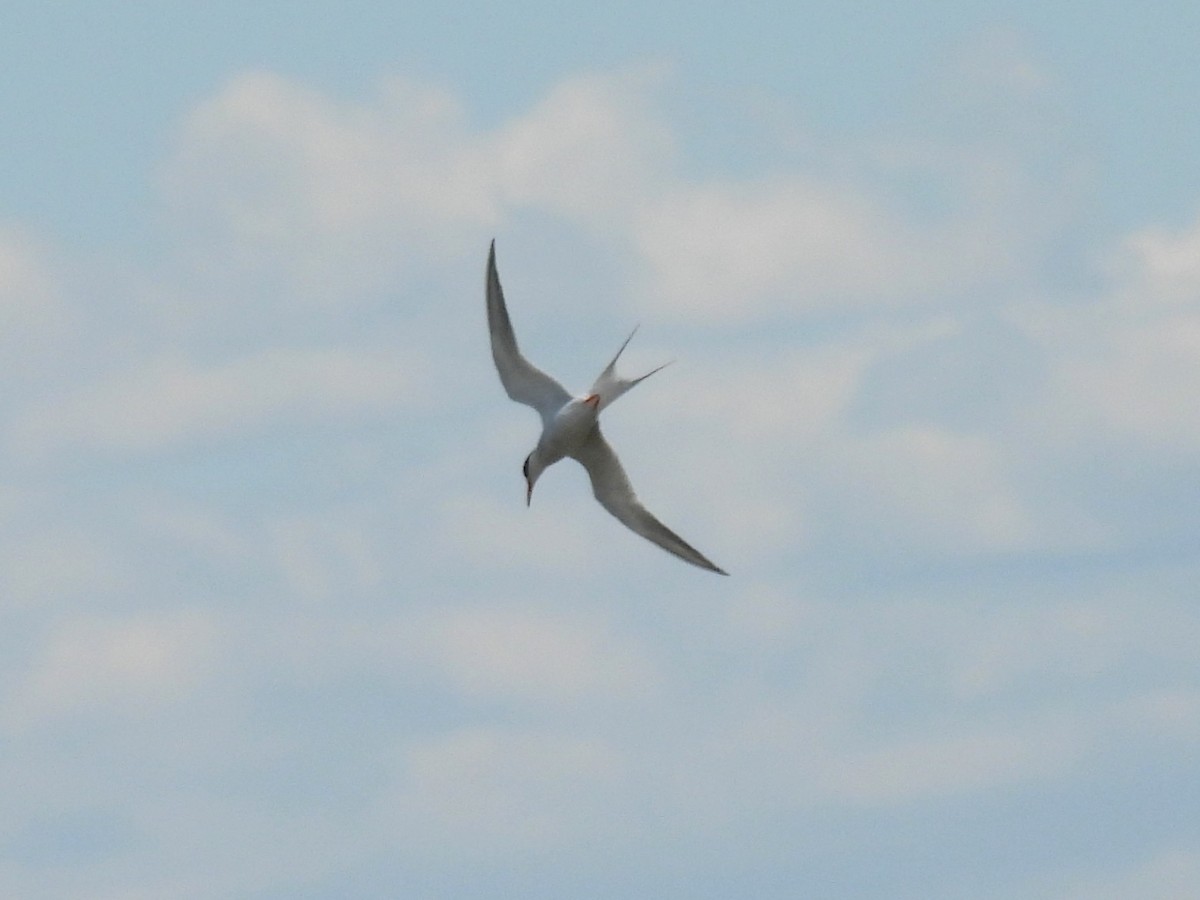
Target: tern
x: 570, y: 427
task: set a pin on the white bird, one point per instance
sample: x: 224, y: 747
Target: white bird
x: 570, y: 427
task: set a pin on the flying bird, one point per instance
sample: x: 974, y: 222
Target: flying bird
x: 570, y: 427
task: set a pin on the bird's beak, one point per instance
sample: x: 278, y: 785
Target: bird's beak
x: 528, y: 491
x: 592, y: 400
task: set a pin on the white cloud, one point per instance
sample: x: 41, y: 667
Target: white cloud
x: 94, y: 666
x: 270, y: 175
x: 1171, y: 713
x: 481, y: 530
x: 539, y: 658
x: 43, y: 566
x: 34, y: 319
x: 910, y: 219
x: 1169, y: 874
x: 204, y: 532
x: 731, y: 251
x: 1021, y: 649
x: 1161, y: 266
x: 1126, y: 363
x: 995, y: 67
x: 339, y: 197
x: 168, y: 400
x: 789, y: 245
x: 1139, y: 379
x: 334, y: 198
x: 936, y: 765
x: 590, y: 150
x: 28, y: 293
x: 486, y: 650
x: 495, y: 791
x: 1024, y: 647
x: 933, y: 488
x: 325, y: 557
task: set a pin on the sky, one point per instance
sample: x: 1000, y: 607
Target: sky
x: 277, y: 622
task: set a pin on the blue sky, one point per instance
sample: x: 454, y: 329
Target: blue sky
x: 277, y: 621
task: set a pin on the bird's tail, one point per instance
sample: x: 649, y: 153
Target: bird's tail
x: 609, y: 386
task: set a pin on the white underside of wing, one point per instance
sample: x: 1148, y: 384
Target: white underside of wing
x: 614, y: 492
x: 523, y: 381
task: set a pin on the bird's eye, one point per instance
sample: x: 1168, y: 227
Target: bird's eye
x: 525, y: 468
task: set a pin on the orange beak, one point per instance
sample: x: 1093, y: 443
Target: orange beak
x: 592, y: 400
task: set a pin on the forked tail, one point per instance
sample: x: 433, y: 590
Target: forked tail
x: 609, y: 386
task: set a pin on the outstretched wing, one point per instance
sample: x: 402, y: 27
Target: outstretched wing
x: 609, y: 386
x: 523, y: 381
x: 613, y: 490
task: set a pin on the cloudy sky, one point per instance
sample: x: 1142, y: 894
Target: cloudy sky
x: 276, y: 621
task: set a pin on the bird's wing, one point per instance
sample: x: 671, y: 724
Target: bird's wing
x: 609, y: 386
x: 612, y: 488
x: 522, y: 380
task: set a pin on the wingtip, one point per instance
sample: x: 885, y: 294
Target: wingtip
x: 492, y: 274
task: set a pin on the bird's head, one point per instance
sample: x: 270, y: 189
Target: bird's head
x: 532, y: 469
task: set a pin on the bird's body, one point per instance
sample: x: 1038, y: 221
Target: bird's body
x: 571, y: 428
x: 566, y: 433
